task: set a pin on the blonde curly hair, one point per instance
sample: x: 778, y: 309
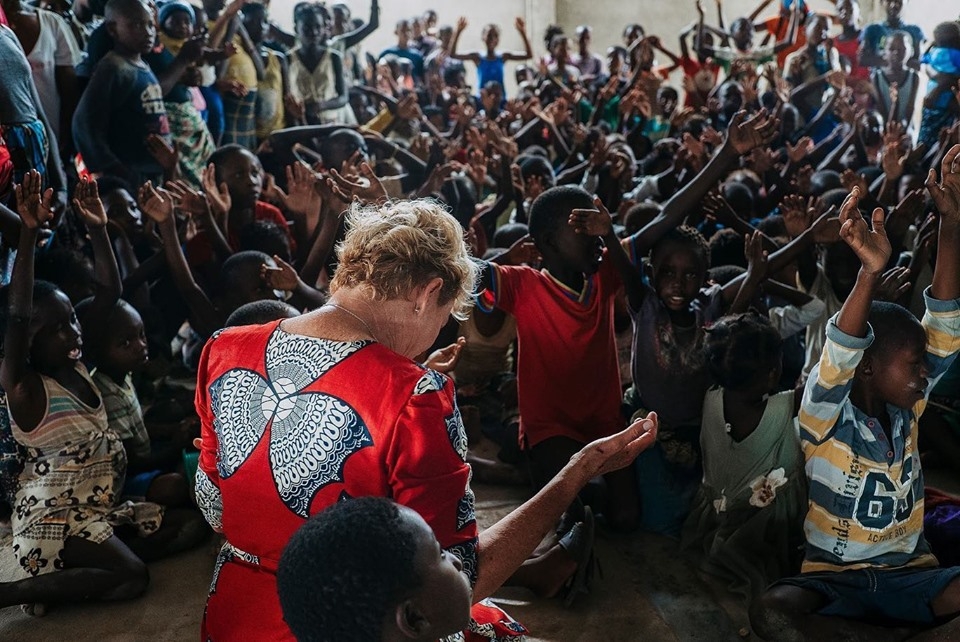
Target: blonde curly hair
x: 395, y: 247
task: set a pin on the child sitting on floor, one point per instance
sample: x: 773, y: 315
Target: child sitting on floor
x: 867, y: 563
x: 117, y: 346
x: 748, y: 514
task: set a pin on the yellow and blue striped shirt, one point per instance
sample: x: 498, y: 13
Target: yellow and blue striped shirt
x: 866, y: 491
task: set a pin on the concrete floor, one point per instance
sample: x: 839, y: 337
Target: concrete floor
x: 647, y: 593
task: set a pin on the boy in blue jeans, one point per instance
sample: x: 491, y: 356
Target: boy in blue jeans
x: 866, y: 557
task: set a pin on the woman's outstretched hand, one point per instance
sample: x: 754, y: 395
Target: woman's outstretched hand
x: 616, y: 451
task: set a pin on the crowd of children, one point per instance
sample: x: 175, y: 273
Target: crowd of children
x: 765, y: 256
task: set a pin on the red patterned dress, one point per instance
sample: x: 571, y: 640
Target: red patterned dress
x: 292, y: 424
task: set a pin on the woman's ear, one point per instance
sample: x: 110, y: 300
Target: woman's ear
x: 410, y: 621
x: 427, y: 294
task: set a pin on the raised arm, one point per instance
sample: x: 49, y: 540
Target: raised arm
x: 873, y: 249
x: 357, y: 36
x: 472, y: 56
x: 24, y: 389
x: 158, y: 205
x: 109, y: 286
x: 527, y: 53
x: 946, y: 197
x: 742, y: 137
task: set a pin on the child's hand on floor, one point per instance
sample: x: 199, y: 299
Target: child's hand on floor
x: 34, y: 205
x: 156, y: 203
x: 871, y: 247
x: 946, y: 193
x: 87, y: 203
x: 594, y: 222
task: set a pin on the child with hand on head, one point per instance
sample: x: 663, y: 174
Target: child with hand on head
x: 67, y: 502
x: 564, y: 316
x: 747, y: 517
x: 866, y: 559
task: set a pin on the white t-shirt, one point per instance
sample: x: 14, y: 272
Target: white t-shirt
x: 55, y: 47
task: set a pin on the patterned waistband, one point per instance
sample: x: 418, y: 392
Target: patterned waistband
x: 229, y: 552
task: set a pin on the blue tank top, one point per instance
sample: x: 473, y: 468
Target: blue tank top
x: 490, y: 69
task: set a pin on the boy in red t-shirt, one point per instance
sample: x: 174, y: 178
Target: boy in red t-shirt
x: 568, y: 376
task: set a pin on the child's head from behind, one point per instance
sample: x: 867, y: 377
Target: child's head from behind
x: 555, y: 238
x: 744, y: 353
x: 893, y: 369
x: 678, y: 267
x: 130, y: 24
x: 177, y: 19
x: 507, y: 235
x: 70, y: 270
x: 947, y: 34
x: 266, y: 237
x: 55, y: 336
x: 368, y: 569
x: 639, y: 216
x: 116, y: 342
x: 242, y: 173
x: 260, y: 312
x: 241, y: 281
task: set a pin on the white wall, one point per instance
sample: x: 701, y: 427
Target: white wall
x: 607, y: 17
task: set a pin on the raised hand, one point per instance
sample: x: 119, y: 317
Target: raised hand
x: 850, y: 179
x: 592, y: 222
x: 217, y: 195
x: 718, y: 209
x: 801, y: 150
x: 905, y: 214
x: 798, y: 214
x: 892, y: 161
x: 367, y: 188
x: 156, y: 203
x: 872, y: 247
x: 946, y: 193
x: 520, y: 24
x: 516, y: 182
x: 744, y: 135
x: 408, y: 108
x: 445, y: 359
x: 894, y: 283
x: 87, y: 203
x: 711, y: 136
x: 166, y: 155
x: 523, y: 252
x: 188, y: 199
x: 461, y: 24
x: 302, y: 196
x: 283, y: 277
x: 756, y: 256
x: 34, y: 205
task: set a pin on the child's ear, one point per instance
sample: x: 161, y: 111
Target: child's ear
x: 648, y: 270
x: 410, y: 620
x: 866, y: 367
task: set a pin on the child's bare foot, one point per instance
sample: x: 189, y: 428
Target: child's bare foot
x: 36, y: 610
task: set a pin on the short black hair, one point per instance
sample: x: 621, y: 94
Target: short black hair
x: 686, y: 236
x: 66, y: 267
x: 233, y: 267
x: 41, y: 290
x: 221, y: 154
x: 115, y: 8
x: 110, y: 183
x: 341, y: 572
x: 552, y: 209
x: 266, y: 237
x: 741, y: 348
x: 507, y: 235
x: 894, y: 327
x: 825, y: 180
x: 723, y: 274
x: 726, y: 248
x: 260, y: 312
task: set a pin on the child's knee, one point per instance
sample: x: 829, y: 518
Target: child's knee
x: 133, y: 578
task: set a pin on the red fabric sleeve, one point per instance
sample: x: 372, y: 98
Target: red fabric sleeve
x: 508, y: 282
x: 426, y: 460
x: 208, y: 436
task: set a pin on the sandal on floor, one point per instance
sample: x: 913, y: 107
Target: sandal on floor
x: 579, y: 544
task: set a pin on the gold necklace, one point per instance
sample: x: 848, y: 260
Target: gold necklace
x: 365, y: 324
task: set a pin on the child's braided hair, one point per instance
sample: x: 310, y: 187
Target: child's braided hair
x: 741, y: 348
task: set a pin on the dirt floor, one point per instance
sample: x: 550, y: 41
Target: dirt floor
x: 648, y: 592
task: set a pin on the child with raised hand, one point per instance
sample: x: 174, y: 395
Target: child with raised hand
x: 747, y: 517
x: 67, y: 501
x: 490, y: 63
x: 866, y: 557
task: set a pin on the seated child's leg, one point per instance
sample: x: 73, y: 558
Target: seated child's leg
x: 169, y: 489
x: 947, y: 603
x: 547, y: 458
x: 666, y: 491
x: 181, y: 530
x: 107, y: 571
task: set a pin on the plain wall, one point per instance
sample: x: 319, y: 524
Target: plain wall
x: 666, y: 18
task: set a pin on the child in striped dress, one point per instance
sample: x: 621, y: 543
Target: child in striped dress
x: 867, y: 566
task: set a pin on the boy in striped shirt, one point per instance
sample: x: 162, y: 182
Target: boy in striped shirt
x: 867, y: 566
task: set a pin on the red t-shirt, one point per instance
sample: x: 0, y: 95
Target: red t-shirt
x: 200, y: 250
x: 779, y: 26
x: 703, y: 76
x: 849, y: 49
x: 567, y: 370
